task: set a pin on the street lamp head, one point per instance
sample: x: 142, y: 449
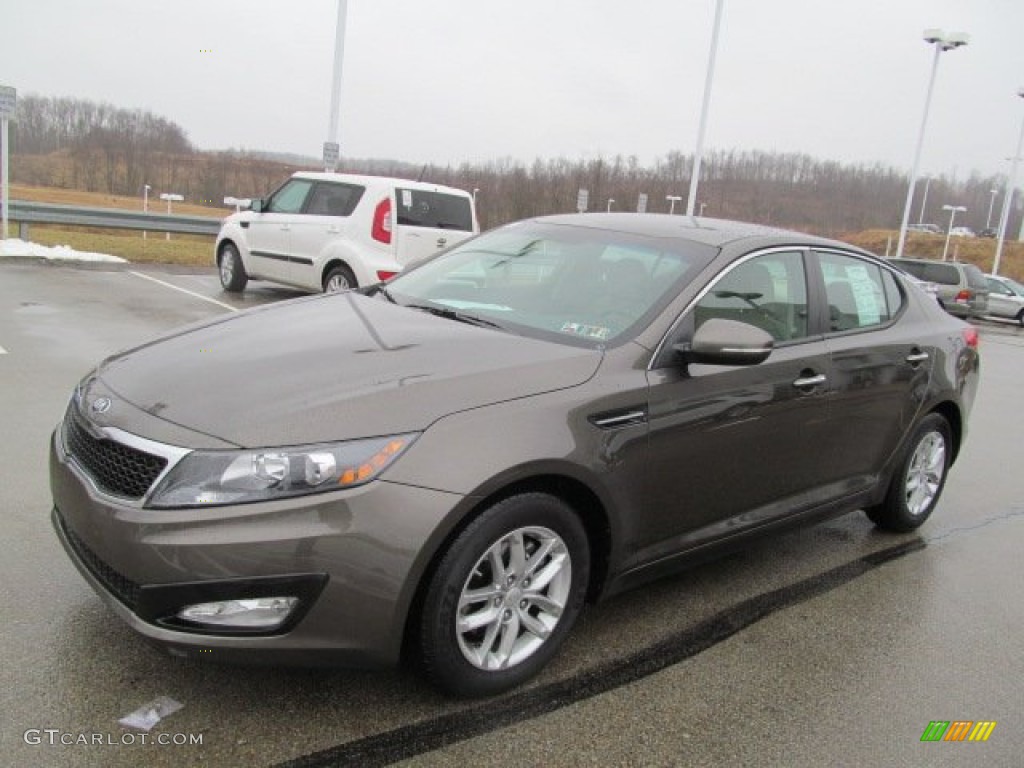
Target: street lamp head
x: 955, y: 40
x: 933, y: 35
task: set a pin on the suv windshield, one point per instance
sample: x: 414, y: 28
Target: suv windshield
x: 560, y: 282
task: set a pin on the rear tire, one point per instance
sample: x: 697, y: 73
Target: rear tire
x: 917, y: 485
x: 231, y: 270
x: 504, y: 596
x: 339, y: 278
x: 1020, y: 318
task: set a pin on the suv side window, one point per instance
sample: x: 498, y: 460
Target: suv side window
x: 290, y: 197
x: 856, y: 293
x: 435, y: 210
x: 943, y: 274
x: 768, y: 291
x: 334, y: 199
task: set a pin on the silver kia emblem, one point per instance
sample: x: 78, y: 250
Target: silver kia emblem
x: 100, y: 405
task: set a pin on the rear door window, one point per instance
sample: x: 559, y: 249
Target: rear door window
x: 433, y: 210
x: 855, y: 292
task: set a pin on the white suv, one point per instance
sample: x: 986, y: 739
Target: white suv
x: 333, y: 231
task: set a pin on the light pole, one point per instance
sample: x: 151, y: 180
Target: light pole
x: 475, y: 191
x: 702, y: 205
x: 1011, y: 181
x: 611, y: 202
x: 924, y: 200
x: 941, y: 42
x: 672, y: 199
x: 952, y: 215
x: 332, y: 149
x: 145, y: 204
x: 170, y: 197
x: 691, y: 201
x: 991, y: 204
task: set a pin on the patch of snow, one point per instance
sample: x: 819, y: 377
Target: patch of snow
x: 15, y: 247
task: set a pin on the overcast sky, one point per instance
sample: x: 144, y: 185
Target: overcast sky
x: 448, y: 81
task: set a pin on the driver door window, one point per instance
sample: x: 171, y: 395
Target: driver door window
x: 290, y: 197
x: 768, y: 291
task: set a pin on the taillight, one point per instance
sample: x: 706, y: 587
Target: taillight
x: 963, y: 297
x: 383, y: 275
x: 971, y: 337
x: 381, y: 229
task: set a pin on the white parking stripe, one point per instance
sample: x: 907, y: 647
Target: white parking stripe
x: 184, y: 290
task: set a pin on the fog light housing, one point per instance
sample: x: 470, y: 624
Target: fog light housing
x: 248, y: 613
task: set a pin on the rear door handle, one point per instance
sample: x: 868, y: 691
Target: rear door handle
x: 917, y: 357
x: 810, y: 381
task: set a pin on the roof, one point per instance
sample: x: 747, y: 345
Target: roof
x: 713, y: 232
x: 364, y: 180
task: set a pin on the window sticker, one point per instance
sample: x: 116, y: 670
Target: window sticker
x: 598, y: 332
x: 407, y: 198
x: 865, y: 294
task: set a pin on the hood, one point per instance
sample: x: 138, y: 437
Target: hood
x: 330, y: 368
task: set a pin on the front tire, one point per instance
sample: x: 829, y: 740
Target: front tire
x: 504, y: 596
x: 231, y: 270
x: 917, y: 485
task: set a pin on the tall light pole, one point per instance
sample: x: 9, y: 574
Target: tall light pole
x: 991, y: 205
x: 924, y: 200
x: 691, y: 201
x: 332, y: 149
x: 672, y: 199
x: 1011, y: 182
x: 952, y: 215
x: 941, y: 42
x: 611, y: 202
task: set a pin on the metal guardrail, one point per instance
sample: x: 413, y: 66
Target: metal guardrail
x: 26, y: 212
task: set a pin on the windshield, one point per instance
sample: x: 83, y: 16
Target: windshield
x: 567, y: 283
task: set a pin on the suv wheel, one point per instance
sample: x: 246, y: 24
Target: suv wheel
x: 232, y: 273
x: 505, y: 595
x: 916, y: 487
x: 339, y: 278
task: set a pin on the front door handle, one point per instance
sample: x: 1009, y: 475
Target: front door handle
x: 917, y: 357
x: 810, y: 381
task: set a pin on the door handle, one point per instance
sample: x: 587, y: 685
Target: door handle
x: 286, y: 227
x: 917, y: 357
x: 810, y: 381
x: 333, y: 231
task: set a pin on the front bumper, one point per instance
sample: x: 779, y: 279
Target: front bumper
x: 353, y: 558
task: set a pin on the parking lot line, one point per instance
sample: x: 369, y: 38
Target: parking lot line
x: 184, y: 290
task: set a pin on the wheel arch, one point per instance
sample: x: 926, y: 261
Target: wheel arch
x: 577, y: 494
x: 951, y: 413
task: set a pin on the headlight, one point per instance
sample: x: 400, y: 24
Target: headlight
x: 237, y: 477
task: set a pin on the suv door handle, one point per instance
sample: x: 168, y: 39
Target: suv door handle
x: 810, y: 381
x: 917, y: 356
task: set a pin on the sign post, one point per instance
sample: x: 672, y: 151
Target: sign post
x: 8, y: 102
x: 641, y: 203
x: 582, y: 198
x: 332, y: 151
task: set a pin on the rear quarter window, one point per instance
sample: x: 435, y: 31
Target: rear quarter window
x: 943, y: 274
x: 975, y: 277
x: 433, y: 210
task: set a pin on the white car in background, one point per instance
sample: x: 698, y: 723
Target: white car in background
x: 332, y: 231
x: 1005, y: 298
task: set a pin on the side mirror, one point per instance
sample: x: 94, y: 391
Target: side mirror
x: 256, y: 205
x: 727, y: 342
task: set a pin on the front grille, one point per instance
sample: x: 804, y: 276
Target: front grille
x: 115, y: 467
x: 124, y: 589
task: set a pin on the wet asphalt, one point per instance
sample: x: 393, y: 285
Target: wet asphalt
x: 835, y: 645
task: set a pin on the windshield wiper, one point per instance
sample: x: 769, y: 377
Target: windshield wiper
x: 450, y: 314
